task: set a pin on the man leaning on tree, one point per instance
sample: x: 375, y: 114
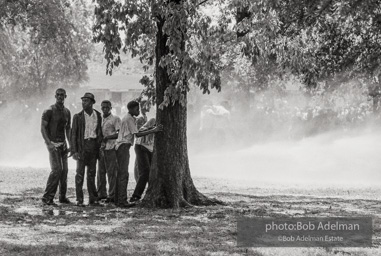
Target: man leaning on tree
x: 55, y: 128
x: 140, y: 121
x: 124, y: 142
x: 86, y: 138
x: 144, y: 153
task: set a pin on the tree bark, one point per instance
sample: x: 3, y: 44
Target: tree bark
x: 170, y: 182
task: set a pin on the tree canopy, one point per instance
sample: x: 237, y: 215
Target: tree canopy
x: 131, y: 27
x: 43, y: 44
x: 316, y: 40
x: 251, y: 40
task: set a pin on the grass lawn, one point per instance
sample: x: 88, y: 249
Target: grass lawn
x: 28, y: 228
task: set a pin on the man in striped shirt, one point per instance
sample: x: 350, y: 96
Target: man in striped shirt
x: 107, y: 162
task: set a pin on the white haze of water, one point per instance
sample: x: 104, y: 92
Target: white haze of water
x: 327, y: 159
x: 351, y: 158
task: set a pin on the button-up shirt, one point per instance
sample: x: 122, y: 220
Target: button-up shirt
x: 110, y: 125
x: 90, y: 125
x: 127, y: 131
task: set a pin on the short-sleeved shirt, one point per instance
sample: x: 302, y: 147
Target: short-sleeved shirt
x: 91, y: 123
x: 110, y: 125
x: 59, y: 119
x: 148, y: 140
x: 127, y: 131
x: 140, y: 121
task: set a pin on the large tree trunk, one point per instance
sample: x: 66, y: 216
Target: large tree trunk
x: 170, y: 183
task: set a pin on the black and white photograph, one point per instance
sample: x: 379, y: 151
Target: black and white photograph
x: 190, y: 127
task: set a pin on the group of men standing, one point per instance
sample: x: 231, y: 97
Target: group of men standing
x: 93, y: 138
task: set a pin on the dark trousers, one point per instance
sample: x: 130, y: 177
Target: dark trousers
x: 107, y: 165
x: 144, y: 159
x: 89, y: 159
x: 136, y: 171
x: 58, y: 174
x: 123, y: 156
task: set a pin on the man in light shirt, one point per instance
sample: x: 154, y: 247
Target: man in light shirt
x: 107, y: 161
x: 144, y: 152
x: 86, y: 138
x: 128, y: 131
x: 140, y: 121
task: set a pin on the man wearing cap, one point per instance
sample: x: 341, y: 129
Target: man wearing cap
x: 86, y: 138
x: 55, y: 128
x: 107, y: 161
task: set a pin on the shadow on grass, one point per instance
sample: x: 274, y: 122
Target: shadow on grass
x: 138, y: 231
x: 60, y: 249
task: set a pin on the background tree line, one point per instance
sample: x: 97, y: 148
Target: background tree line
x: 330, y: 41
x: 43, y: 44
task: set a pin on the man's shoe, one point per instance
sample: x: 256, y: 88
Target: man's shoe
x: 96, y: 203
x: 80, y: 204
x: 65, y: 201
x: 126, y: 205
x: 48, y: 202
x: 109, y: 200
x: 134, y: 199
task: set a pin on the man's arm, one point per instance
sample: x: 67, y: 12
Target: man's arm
x: 68, y: 135
x: 158, y: 128
x: 68, y: 131
x: 133, y: 129
x: 114, y: 136
x: 111, y: 137
x: 99, y: 127
x: 73, y: 138
x: 140, y: 122
x: 44, y: 132
x: 73, y: 135
x: 46, y: 116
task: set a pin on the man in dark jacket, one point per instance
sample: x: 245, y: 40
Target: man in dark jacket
x: 86, y: 138
x: 55, y: 128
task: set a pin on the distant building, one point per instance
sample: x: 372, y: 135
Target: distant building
x: 118, y: 88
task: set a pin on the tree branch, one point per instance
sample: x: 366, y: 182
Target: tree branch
x: 202, y: 2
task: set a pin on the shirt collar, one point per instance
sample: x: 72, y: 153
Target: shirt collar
x: 58, y: 106
x: 88, y: 114
x: 108, y: 117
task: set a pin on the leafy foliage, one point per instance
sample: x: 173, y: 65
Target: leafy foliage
x: 189, y: 55
x: 44, y: 44
x: 317, y: 40
x: 252, y: 42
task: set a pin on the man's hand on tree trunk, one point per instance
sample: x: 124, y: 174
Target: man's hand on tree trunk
x: 159, y: 128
